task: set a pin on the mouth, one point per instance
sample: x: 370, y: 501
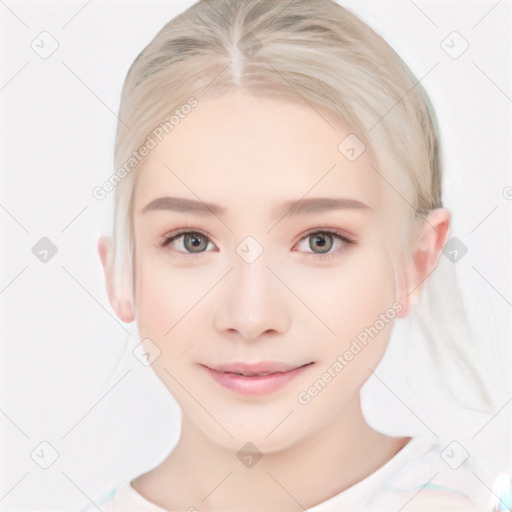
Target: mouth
x: 255, y: 379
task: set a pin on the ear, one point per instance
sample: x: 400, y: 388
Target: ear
x: 424, y: 252
x: 119, y: 300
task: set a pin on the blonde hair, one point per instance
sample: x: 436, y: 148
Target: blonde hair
x: 316, y: 49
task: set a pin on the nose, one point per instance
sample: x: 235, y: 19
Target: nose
x: 253, y: 302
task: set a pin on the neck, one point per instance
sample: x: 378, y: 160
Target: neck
x: 202, y: 474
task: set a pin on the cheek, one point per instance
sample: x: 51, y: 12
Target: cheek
x: 372, y: 283
x: 161, y: 296
x: 169, y: 298
x: 153, y: 301
x: 356, y: 301
x: 349, y: 295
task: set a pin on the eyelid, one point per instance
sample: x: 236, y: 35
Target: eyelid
x: 168, y: 238
x: 349, y: 238
x: 345, y: 237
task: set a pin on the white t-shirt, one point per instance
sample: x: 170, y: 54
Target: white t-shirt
x: 425, y: 475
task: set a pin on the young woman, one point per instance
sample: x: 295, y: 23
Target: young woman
x: 278, y: 206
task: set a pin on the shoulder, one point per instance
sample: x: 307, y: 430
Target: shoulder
x: 105, y: 502
x: 433, y: 475
x: 122, y: 498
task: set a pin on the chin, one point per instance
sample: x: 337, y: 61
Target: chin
x: 269, y: 429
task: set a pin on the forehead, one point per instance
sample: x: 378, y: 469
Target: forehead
x: 242, y: 149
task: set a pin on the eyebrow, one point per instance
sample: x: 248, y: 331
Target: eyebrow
x: 292, y: 208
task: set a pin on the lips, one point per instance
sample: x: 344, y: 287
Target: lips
x: 252, y: 369
x: 255, y: 378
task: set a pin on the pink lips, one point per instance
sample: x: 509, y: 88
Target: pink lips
x: 255, y: 379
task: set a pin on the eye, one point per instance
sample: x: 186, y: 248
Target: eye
x: 188, y: 242
x: 320, y: 243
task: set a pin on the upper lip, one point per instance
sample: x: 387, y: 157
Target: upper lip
x: 259, y: 368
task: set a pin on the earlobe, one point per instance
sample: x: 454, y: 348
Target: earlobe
x: 425, y: 253
x: 120, y: 303
x: 422, y: 257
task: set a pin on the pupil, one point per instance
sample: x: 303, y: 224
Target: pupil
x: 320, y: 240
x: 192, y: 241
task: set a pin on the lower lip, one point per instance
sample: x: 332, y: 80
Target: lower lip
x: 258, y: 385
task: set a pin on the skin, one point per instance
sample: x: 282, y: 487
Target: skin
x: 250, y: 154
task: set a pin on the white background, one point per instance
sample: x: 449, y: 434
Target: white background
x: 68, y: 374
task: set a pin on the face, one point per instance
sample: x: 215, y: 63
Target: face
x: 268, y: 277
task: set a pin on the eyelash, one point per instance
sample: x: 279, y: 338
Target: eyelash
x: 167, y: 239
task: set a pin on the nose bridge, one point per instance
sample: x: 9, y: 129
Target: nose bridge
x: 253, y: 303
